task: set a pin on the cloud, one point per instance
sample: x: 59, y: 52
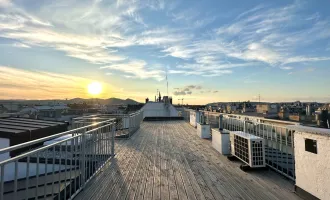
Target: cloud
x: 161, y: 36
x: 5, y: 3
x: 103, y: 33
x: 310, y: 69
x: 178, y: 93
x: 299, y: 59
x: 187, y: 90
x: 137, y: 69
x: 21, y: 45
x: 259, y: 35
x: 286, y: 67
x: 43, y: 85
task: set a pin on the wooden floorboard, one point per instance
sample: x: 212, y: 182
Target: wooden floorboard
x: 167, y: 160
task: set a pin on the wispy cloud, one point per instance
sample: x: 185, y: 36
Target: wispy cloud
x: 5, y: 3
x: 286, y: 67
x: 137, y: 69
x: 263, y: 34
x: 101, y: 32
x: 24, y: 84
x: 186, y: 90
x: 21, y: 45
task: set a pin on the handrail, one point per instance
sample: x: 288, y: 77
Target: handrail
x: 47, y: 146
x: 83, y: 153
x: 26, y: 144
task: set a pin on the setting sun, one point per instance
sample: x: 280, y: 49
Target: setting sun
x: 94, y: 88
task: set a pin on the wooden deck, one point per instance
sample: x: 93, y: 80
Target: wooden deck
x: 166, y: 160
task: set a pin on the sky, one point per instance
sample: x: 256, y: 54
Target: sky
x: 207, y: 51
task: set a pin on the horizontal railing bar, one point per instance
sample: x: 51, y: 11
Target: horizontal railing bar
x: 26, y: 144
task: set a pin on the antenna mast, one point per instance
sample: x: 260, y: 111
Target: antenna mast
x: 166, y: 82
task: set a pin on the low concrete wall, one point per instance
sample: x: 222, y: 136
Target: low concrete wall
x: 313, y: 170
x: 203, y: 130
x: 221, y: 141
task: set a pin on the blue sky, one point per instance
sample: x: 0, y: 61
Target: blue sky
x: 212, y: 50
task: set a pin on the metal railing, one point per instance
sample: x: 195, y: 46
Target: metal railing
x: 57, y: 166
x: 279, y: 143
x: 126, y: 124
x: 279, y: 138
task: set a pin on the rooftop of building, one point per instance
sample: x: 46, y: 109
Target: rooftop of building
x: 167, y: 160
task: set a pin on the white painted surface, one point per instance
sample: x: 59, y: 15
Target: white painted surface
x: 10, y: 170
x: 4, y: 142
x: 126, y: 122
x: 250, y: 139
x: 221, y: 141
x: 313, y: 170
x: 203, y: 130
x: 159, y: 109
x: 76, y: 141
x: 194, y: 118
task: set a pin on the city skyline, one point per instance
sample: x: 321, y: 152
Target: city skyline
x: 211, y: 51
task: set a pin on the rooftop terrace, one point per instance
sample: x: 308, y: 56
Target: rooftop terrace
x: 167, y: 160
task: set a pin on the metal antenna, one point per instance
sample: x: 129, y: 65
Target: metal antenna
x: 166, y: 82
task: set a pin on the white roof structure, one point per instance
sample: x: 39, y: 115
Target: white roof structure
x: 56, y: 107
x: 159, y: 109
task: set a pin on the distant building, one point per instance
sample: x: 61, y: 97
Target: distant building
x: 297, y: 117
x: 247, y: 107
x: 116, y: 109
x: 44, y: 112
x: 231, y: 108
x: 267, y: 108
x: 11, y: 106
x: 284, y: 113
x: 159, y: 109
x: 3, y: 109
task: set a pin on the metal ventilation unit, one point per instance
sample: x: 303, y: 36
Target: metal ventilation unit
x: 248, y: 148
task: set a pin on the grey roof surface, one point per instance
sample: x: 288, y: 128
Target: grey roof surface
x: 167, y: 160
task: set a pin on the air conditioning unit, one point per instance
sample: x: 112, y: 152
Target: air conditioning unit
x: 248, y: 148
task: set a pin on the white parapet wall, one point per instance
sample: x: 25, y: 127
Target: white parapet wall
x: 312, y: 161
x: 203, y: 130
x: 194, y: 118
x: 221, y: 141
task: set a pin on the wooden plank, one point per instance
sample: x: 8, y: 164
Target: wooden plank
x: 145, y: 169
x: 164, y: 188
x: 126, y: 187
x: 206, y: 179
x: 156, y: 186
x: 178, y: 178
x: 94, y: 184
x: 222, y: 173
x: 166, y: 160
x: 125, y: 171
x: 220, y: 182
x: 123, y: 156
x: 173, y: 192
x: 150, y: 178
x: 254, y: 191
x: 200, y: 188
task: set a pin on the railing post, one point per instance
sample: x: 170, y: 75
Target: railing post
x: 113, y: 139
x: 83, y: 158
x: 220, y: 122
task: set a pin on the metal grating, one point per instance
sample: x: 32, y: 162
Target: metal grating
x: 257, y: 153
x: 241, y: 147
x: 279, y: 154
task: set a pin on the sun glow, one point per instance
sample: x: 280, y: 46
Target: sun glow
x: 94, y: 88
